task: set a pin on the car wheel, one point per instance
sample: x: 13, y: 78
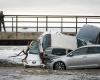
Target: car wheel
x: 59, y: 66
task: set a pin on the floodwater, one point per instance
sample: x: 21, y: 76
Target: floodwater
x: 20, y: 73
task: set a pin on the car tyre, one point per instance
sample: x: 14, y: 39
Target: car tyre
x: 59, y: 66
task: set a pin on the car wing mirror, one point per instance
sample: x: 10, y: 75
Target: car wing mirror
x: 70, y: 55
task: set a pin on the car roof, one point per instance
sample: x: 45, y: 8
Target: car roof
x: 56, y: 47
x: 90, y: 46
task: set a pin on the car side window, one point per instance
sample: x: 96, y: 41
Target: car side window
x: 80, y: 51
x: 59, y: 52
x: 93, y: 50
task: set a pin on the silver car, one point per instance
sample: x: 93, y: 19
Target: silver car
x: 53, y: 52
x: 83, y: 57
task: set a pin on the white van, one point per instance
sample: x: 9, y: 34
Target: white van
x: 55, y: 39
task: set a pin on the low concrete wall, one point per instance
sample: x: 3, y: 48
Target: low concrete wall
x: 19, y: 35
x: 22, y: 35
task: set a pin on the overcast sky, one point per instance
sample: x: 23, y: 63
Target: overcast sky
x: 51, y: 7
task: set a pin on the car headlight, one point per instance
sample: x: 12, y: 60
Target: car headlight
x: 50, y: 61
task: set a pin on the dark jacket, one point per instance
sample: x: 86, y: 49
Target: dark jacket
x: 1, y: 16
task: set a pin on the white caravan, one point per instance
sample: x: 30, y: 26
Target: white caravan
x: 56, y: 39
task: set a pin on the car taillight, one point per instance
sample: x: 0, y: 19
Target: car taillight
x: 42, y: 56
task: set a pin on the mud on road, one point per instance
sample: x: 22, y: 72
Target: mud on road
x: 20, y: 73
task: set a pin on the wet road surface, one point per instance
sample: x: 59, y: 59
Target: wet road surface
x: 20, y: 73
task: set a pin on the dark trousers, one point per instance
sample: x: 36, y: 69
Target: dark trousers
x: 2, y: 25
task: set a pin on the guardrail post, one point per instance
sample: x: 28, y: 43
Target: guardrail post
x: 86, y: 20
x: 16, y: 25
x: 46, y: 23
x: 12, y: 24
x: 37, y: 24
x: 76, y: 23
x: 61, y: 24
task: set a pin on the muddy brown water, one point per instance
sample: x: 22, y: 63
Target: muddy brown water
x: 21, y: 73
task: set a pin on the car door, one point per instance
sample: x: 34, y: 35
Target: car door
x: 77, y: 58
x: 93, y: 57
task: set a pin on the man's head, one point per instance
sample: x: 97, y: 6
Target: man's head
x: 1, y: 12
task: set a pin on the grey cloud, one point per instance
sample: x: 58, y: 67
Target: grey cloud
x: 47, y: 3
x: 51, y: 5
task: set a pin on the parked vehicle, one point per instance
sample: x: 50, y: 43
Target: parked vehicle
x: 54, y: 52
x: 11, y: 55
x: 83, y: 57
x: 88, y: 34
x: 33, y: 58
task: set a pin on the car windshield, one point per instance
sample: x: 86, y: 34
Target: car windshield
x: 46, y: 41
x: 81, y: 43
x: 34, y: 48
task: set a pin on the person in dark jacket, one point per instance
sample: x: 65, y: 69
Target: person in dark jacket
x: 2, y: 21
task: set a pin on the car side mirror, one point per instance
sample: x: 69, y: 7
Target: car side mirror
x: 70, y: 55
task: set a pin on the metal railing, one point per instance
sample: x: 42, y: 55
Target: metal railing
x: 41, y: 23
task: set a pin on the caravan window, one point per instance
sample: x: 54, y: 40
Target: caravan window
x: 35, y: 48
